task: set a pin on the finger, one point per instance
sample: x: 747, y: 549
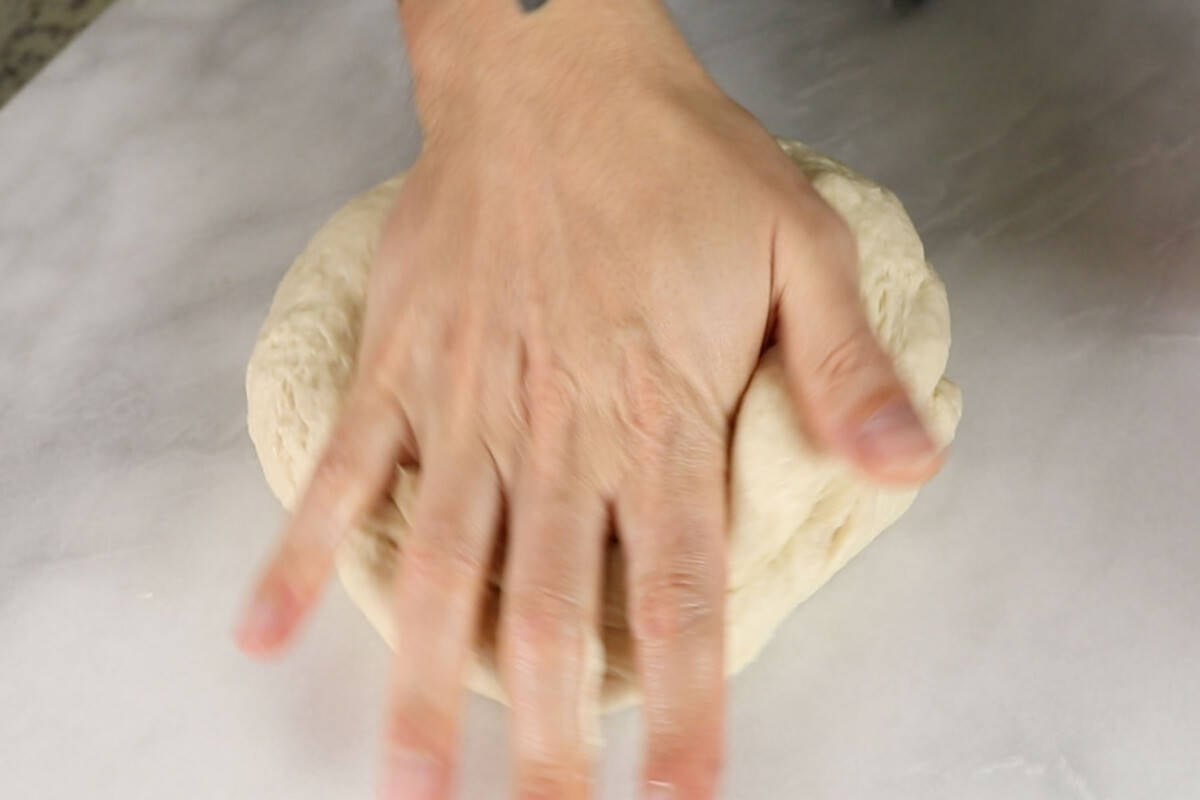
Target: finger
x: 356, y: 467
x: 672, y: 524
x: 552, y: 655
x: 845, y: 384
x: 441, y: 579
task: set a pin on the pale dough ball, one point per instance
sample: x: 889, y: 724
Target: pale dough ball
x: 797, y: 516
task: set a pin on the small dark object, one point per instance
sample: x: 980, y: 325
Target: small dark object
x: 531, y: 5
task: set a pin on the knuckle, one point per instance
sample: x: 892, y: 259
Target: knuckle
x: 696, y: 464
x: 443, y: 559
x: 649, y: 407
x: 701, y: 763
x: 337, y: 470
x: 830, y: 233
x: 544, y: 619
x: 853, y: 355
x: 380, y: 392
x: 299, y: 571
x: 551, y: 779
x: 385, y: 362
x: 823, y: 235
x: 417, y: 725
x: 838, y: 239
x: 551, y: 393
x: 673, y: 604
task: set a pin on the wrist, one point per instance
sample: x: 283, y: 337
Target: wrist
x: 486, y: 61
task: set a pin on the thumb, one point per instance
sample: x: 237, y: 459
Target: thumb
x: 845, y: 385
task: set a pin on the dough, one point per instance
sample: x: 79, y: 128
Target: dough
x: 797, y: 516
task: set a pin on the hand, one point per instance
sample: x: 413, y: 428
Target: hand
x: 570, y: 297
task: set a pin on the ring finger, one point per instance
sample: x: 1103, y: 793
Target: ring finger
x: 440, y: 587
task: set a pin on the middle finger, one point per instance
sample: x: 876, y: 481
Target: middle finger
x: 439, y: 594
x: 672, y: 522
x: 552, y: 654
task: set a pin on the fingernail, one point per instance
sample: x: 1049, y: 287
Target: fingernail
x: 261, y: 624
x: 657, y: 790
x: 893, y: 433
x: 411, y: 776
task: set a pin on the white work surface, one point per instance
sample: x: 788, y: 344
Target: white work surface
x: 1031, y: 630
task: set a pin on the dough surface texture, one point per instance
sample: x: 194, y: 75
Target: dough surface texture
x: 797, y: 516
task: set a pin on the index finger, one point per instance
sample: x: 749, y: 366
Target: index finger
x: 358, y: 463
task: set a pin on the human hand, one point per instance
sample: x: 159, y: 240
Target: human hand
x: 570, y: 297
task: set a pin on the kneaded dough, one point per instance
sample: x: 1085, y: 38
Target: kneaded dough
x: 797, y: 516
